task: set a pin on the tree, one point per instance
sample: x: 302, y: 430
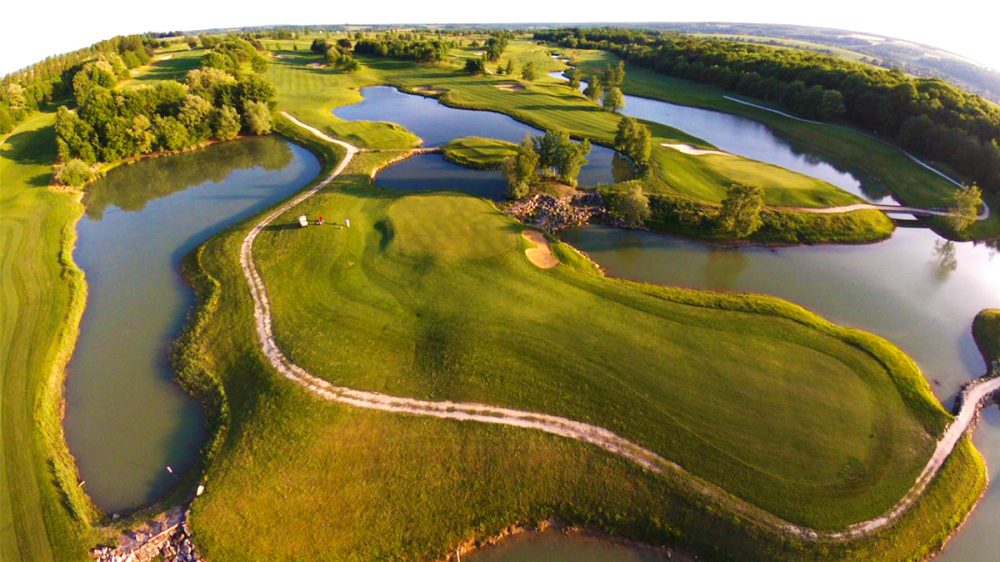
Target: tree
x: 965, y: 210
x: 510, y: 67
x: 475, y: 65
x: 739, y: 216
x: 521, y: 169
x: 572, y: 158
x: 170, y: 133
x: 528, y: 72
x: 594, y: 89
x: 613, y: 99
x: 195, y: 113
x: 74, y: 173
x: 634, y: 140
x: 630, y: 206
x: 831, y: 106
x: 257, y: 118
x: 226, y: 123
x: 573, y: 80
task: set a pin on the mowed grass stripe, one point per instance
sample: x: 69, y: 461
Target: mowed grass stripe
x: 36, y: 308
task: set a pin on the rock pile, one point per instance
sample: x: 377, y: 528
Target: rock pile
x: 556, y: 213
x: 166, y: 536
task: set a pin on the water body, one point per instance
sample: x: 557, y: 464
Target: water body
x: 554, y: 546
x: 438, y: 124
x: 916, y: 289
x: 745, y: 137
x: 126, y: 417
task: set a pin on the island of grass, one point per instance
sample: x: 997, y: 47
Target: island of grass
x: 986, y: 331
x: 479, y: 153
x: 818, y: 424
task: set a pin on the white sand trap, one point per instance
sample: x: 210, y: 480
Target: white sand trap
x: 688, y: 149
x: 541, y: 254
x: 316, y: 65
x: 510, y: 87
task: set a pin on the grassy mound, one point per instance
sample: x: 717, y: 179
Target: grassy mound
x: 479, y: 153
x: 986, y: 331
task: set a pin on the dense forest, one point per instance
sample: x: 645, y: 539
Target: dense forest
x: 926, y: 116
x: 25, y: 90
x: 223, y: 98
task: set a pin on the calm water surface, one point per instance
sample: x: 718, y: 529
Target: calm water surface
x: 745, y: 137
x: 126, y: 417
x: 438, y: 124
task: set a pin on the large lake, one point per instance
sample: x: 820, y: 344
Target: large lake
x: 126, y: 417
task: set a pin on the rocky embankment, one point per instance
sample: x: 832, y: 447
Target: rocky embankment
x: 166, y: 537
x: 557, y: 213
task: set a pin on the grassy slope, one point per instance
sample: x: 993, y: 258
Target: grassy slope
x: 479, y: 153
x: 311, y: 93
x: 42, y: 297
x: 986, y: 331
x: 882, y: 164
x: 171, y: 63
x: 394, y: 487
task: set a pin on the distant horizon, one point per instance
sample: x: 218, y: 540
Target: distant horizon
x: 5, y: 70
x: 72, y: 25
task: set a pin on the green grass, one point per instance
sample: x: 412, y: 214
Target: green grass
x: 986, y: 331
x: 168, y: 64
x: 479, y: 153
x: 311, y: 94
x: 42, y: 299
x: 406, y: 488
x: 882, y: 167
x: 449, y: 308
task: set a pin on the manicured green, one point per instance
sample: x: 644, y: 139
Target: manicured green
x: 43, y: 512
x: 986, y: 331
x: 169, y: 64
x: 479, y: 153
x: 431, y: 296
x: 291, y: 460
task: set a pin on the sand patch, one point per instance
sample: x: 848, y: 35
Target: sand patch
x: 316, y: 65
x: 688, y: 149
x: 430, y: 90
x: 510, y: 87
x: 541, y: 255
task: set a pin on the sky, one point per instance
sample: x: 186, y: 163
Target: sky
x: 30, y: 32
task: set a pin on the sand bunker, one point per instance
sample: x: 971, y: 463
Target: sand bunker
x: 541, y: 255
x: 430, y: 90
x: 316, y: 65
x: 510, y: 87
x: 688, y: 149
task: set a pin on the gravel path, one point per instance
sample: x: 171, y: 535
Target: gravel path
x: 974, y: 395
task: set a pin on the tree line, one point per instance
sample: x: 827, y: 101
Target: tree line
x: 926, y: 116
x: 398, y: 47
x: 217, y: 101
x: 24, y: 91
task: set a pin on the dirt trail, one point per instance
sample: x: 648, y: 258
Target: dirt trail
x: 974, y: 396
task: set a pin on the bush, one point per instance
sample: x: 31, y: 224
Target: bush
x: 74, y: 173
x: 257, y: 118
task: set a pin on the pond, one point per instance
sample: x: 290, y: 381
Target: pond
x: 126, y: 417
x: 437, y: 124
x: 745, y: 137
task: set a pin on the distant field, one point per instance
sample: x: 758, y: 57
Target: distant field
x: 875, y: 160
x: 790, y: 43
x: 168, y: 64
x: 311, y: 93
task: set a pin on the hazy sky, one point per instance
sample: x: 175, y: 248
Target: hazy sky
x: 33, y: 30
